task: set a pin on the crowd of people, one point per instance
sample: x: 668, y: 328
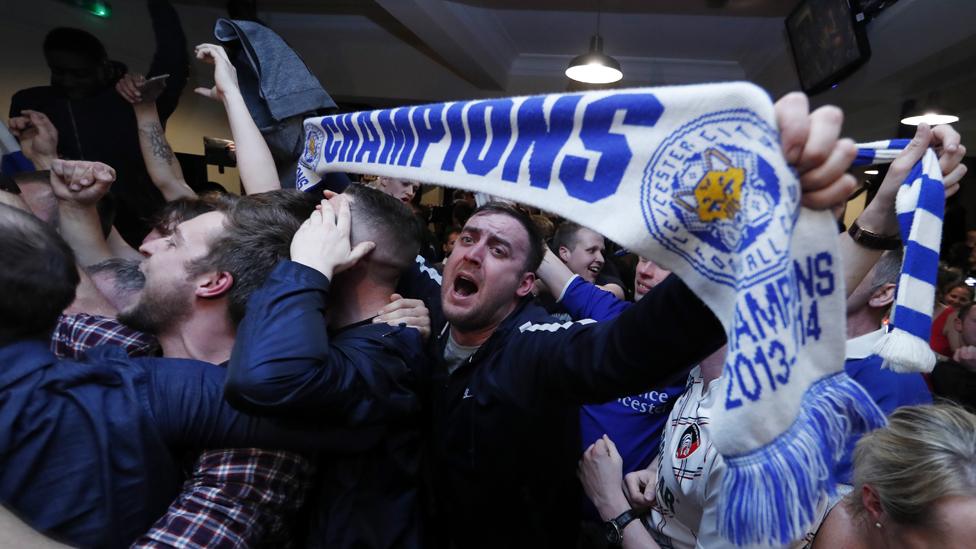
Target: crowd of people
x: 343, y: 369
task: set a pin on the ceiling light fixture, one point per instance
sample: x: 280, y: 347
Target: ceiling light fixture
x: 932, y: 118
x: 595, y: 67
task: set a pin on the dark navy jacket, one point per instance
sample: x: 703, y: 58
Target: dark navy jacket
x: 287, y: 362
x: 90, y: 450
x: 504, y: 437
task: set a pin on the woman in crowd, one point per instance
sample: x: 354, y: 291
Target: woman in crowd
x: 914, y: 486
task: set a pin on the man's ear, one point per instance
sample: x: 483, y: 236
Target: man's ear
x: 214, y: 284
x: 526, y: 285
x: 883, y: 296
x: 564, y: 254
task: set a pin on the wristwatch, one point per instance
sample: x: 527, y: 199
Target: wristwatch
x: 873, y: 241
x: 614, y: 529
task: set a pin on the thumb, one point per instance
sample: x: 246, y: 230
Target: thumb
x: 360, y: 251
x: 914, y: 151
x: 206, y: 92
x: 395, y: 297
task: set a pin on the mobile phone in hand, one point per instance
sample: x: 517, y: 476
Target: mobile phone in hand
x: 153, y: 87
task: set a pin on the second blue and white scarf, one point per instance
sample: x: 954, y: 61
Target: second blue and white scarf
x: 920, y: 205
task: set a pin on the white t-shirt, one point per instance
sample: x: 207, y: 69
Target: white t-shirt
x: 690, y: 472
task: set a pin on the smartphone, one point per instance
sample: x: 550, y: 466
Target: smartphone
x: 153, y: 87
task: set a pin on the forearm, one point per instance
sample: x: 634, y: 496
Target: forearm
x: 635, y: 535
x: 161, y: 163
x: 554, y: 273
x: 598, y: 362
x: 857, y: 259
x: 281, y: 359
x: 120, y: 248
x: 584, y: 300
x: 254, y: 161
x: 81, y: 229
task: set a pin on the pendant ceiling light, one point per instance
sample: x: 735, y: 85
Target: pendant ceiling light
x: 927, y: 111
x: 595, y: 67
x: 931, y: 117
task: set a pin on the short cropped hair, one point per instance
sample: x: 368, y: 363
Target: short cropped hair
x: 566, y: 235
x: 926, y: 453
x: 888, y: 269
x: 536, y: 250
x: 380, y: 218
x: 38, y: 277
x: 76, y: 41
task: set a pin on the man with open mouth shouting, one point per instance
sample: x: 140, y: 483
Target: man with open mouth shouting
x: 505, y: 392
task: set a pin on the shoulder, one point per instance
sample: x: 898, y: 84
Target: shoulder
x: 836, y: 531
x: 400, y: 339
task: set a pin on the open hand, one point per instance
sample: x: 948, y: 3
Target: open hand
x: 225, y: 75
x: 323, y: 241
x: 80, y: 182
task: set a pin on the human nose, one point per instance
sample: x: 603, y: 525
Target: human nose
x: 149, y: 247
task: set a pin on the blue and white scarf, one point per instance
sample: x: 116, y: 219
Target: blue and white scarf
x: 920, y: 205
x: 694, y: 178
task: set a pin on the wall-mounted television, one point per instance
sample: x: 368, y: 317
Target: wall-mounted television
x: 828, y: 40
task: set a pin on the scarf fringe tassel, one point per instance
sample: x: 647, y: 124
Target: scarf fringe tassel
x: 904, y: 352
x: 770, y: 495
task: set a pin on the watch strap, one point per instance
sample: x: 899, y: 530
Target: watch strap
x: 871, y: 240
x: 618, y: 524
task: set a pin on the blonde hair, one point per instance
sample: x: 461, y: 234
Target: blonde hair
x: 924, y: 454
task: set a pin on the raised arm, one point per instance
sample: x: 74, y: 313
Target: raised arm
x: 297, y: 369
x: 879, y: 215
x: 171, y: 54
x: 163, y: 167
x: 37, y: 136
x: 580, y: 298
x: 78, y: 186
x: 254, y: 160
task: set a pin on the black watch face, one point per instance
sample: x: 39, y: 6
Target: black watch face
x: 613, y: 535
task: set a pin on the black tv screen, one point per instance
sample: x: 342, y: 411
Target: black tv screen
x: 828, y: 42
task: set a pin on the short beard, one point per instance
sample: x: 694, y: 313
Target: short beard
x: 157, y: 311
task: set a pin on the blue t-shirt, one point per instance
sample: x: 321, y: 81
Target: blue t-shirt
x: 889, y: 390
x: 634, y: 423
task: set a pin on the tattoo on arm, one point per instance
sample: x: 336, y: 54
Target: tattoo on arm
x: 157, y: 140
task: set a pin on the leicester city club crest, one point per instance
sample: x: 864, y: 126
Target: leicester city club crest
x: 712, y: 181
x: 314, y: 138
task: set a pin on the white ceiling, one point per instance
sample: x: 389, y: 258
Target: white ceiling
x: 385, y: 52
x: 381, y: 52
